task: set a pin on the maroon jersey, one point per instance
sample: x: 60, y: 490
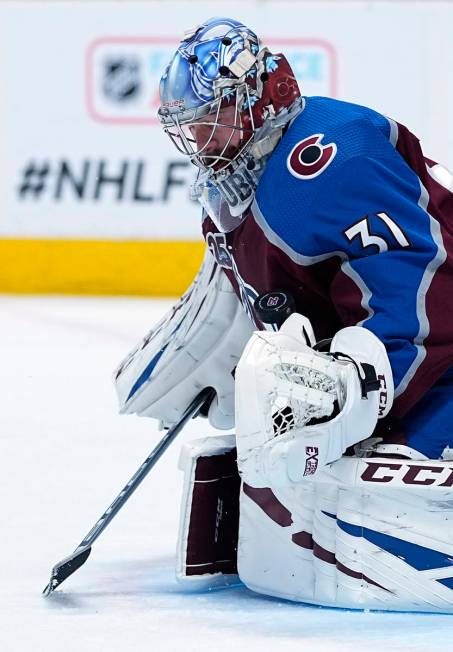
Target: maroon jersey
x: 350, y: 217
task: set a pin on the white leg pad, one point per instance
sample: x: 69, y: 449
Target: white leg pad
x: 369, y: 534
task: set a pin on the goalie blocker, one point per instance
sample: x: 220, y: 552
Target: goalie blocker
x: 369, y: 533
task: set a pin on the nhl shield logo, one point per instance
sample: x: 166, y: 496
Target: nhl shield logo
x: 309, y: 157
x: 121, y: 78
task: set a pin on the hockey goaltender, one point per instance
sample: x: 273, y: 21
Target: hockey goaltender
x: 337, y: 487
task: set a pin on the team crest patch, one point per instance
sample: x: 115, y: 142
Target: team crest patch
x: 309, y: 157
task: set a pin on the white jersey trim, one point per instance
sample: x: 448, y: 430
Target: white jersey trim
x: 393, y: 136
x: 427, y: 278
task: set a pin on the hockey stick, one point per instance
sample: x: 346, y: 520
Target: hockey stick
x: 69, y: 565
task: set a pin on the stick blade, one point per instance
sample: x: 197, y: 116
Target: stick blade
x: 66, y: 567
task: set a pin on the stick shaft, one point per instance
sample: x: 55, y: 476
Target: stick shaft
x: 141, y: 473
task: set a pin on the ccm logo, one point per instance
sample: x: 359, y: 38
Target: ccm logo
x: 383, y: 395
x: 419, y: 475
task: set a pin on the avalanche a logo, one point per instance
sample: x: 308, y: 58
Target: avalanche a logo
x: 309, y: 157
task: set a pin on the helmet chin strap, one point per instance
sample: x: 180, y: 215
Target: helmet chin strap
x: 227, y: 195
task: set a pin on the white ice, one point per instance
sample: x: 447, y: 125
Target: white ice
x: 65, y: 454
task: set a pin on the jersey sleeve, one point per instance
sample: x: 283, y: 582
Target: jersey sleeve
x: 377, y: 218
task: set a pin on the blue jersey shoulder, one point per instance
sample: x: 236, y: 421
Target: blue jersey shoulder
x: 309, y: 162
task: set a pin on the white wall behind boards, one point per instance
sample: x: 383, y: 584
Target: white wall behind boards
x: 82, y: 155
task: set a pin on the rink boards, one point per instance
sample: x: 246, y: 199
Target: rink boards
x: 161, y: 268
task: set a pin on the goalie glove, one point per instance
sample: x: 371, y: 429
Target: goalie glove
x: 196, y: 345
x: 298, y: 409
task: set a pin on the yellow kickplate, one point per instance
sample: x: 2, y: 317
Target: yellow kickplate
x: 163, y: 268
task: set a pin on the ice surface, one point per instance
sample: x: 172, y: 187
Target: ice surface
x: 65, y: 454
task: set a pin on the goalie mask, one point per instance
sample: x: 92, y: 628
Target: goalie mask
x: 224, y: 102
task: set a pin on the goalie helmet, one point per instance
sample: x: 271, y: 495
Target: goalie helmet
x: 225, y: 100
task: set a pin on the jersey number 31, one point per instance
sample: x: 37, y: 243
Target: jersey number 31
x: 361, y: 229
